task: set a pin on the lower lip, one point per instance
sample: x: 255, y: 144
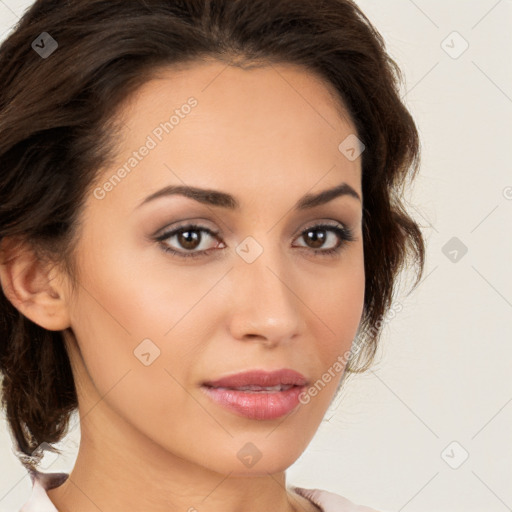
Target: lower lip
x: 259, y: 405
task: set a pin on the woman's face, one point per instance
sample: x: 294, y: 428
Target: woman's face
x: 245, y: 289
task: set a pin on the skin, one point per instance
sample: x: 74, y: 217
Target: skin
x: 150, y: 438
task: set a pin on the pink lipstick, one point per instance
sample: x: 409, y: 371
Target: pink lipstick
x: 258, y: 394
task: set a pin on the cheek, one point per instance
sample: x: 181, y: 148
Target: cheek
x: 131, y: 297
x: 339, y: 301
x: 144, y: 292
x: 339, y: 307
x: 131, y: 306
x: 123, y: 344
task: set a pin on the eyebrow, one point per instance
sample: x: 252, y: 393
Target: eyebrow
x: 223, y: 200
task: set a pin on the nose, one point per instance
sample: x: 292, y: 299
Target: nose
x: 264, y: 307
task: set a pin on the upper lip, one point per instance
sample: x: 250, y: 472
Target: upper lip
x: 261, y: 378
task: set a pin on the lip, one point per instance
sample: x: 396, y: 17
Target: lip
x: 258, y: 404
x: 262, y: 378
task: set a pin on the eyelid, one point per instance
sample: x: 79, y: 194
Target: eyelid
x: 344, y: 234
x: 197, y: 222
x: 321, y: 222
x: 170, y: 229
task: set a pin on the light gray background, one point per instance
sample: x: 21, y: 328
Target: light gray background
x: 443, y: 372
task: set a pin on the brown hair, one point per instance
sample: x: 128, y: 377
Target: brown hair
x: 56, y: 133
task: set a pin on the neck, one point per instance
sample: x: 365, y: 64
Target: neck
x: 118, y: 468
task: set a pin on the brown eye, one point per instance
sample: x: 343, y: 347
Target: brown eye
x: 334, y: 236
x: 191, y: 240
x: 316, y: 237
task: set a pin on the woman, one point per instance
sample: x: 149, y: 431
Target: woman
x: 201, y: 228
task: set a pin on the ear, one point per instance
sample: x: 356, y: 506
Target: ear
x: 34, y: 287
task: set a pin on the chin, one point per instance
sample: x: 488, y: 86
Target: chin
x: 250, y: 462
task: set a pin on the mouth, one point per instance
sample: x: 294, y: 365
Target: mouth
x: 260, y: 379
x: 256, y: 389
x: 258, y: 394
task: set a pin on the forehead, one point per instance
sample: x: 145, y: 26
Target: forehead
x: 253, y: 87
x: 212, y: 124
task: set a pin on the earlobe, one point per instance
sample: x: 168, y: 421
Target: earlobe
x: 33, y: 286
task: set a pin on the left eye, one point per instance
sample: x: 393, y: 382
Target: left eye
x: 190, y: 239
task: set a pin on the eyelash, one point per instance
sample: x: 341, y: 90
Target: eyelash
x: 344, y: 233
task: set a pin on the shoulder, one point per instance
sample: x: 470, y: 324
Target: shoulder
x: 42, y: 482
x: 330, y: 502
